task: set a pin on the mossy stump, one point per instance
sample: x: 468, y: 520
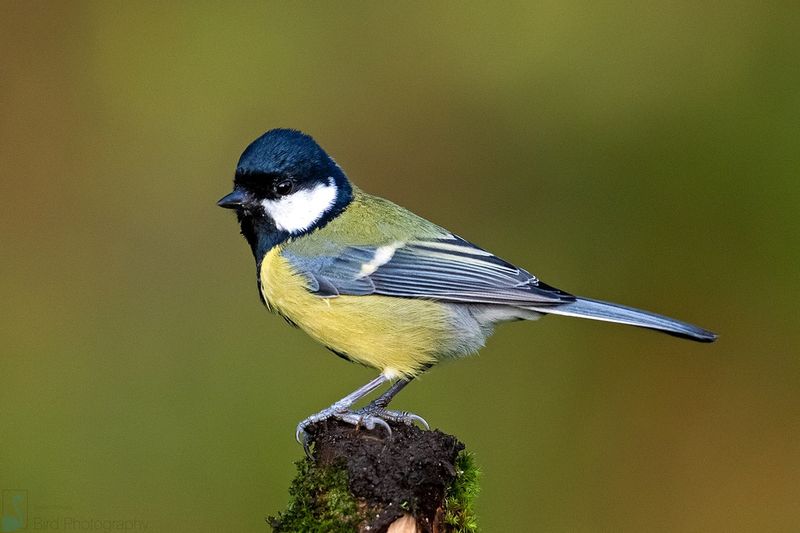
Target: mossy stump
x: 360, y: 480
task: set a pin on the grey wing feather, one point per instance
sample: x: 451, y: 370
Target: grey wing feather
x: 331, y: 276
x: 451, y: 270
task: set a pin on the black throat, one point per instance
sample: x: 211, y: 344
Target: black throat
x: 262, y: 234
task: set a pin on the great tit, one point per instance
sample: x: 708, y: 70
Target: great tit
x: 377, y: 284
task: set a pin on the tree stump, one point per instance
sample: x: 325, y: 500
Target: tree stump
x: 362, y: 480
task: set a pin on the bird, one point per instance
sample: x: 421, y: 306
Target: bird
x: 379, y: 285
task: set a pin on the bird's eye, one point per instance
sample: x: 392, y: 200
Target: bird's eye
x: 283, y: 187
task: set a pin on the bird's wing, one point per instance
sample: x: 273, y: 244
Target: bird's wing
x: 446, y: 269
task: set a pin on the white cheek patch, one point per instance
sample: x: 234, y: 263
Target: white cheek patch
x: 299, y: 211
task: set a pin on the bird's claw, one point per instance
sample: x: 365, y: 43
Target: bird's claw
x: 400, y: 417
x: 410, y: 418
x: 366, y: 419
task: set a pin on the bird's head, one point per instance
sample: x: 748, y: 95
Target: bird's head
x: 285, y: 185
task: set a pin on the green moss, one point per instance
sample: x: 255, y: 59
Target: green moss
x: 460, y: 496
x: 319, y: 500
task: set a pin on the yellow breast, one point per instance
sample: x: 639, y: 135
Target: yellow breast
x: 395, y: 335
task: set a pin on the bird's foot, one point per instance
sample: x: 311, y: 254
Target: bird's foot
x: 356, y: 418
x: 400, y: 417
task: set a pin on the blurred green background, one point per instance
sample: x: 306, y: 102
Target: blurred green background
x: 645, y: 154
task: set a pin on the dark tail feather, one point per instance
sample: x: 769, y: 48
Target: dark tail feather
x: 598, y: 310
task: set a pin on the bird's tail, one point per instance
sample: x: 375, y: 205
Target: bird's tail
x: 608, y: 312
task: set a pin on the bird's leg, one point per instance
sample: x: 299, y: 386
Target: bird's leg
x: 382, y: 401
x: 377, y: 407
x: 341, y: 410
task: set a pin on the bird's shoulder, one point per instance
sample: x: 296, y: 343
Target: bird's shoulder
x: 377, y: 247
x: 367, y: 221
